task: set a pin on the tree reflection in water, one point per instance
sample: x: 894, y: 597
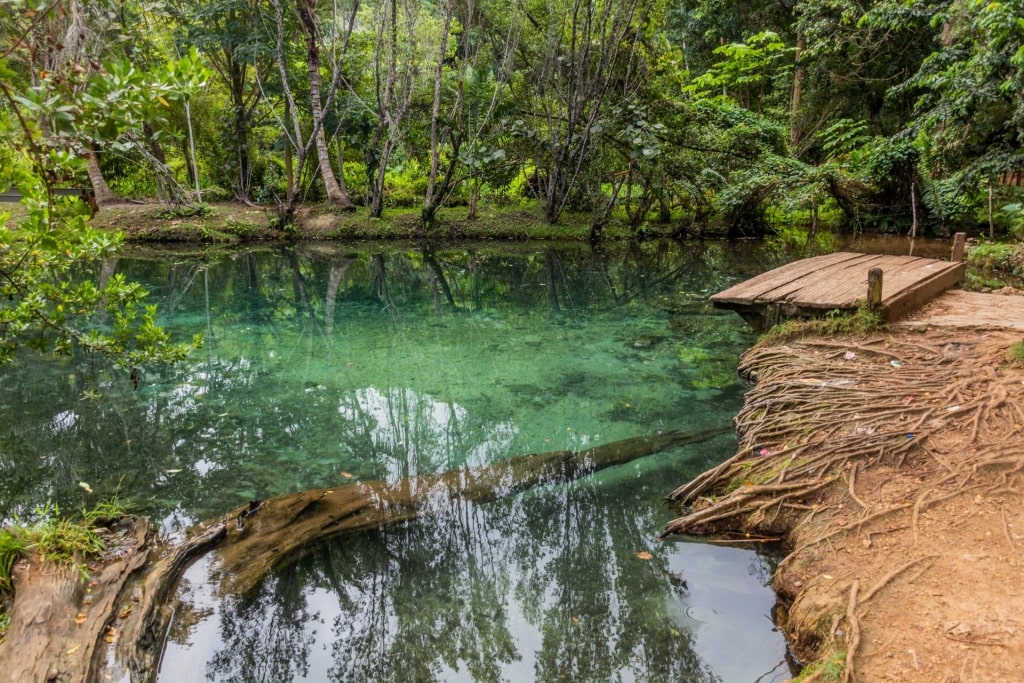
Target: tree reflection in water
x: 325, y: 364
x: 541, y: 587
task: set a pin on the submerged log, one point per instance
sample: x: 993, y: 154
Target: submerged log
x: 64, y: 630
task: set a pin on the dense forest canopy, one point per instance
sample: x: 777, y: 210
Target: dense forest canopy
x: 879, y: 114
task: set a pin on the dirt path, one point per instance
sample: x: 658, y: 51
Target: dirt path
x: 895, y: 467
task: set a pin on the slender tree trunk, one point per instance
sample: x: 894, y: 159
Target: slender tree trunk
x: 101, y: 191
x: 432, y: 196
x: 394, y: 91
x: 307, y: 18
x: 243, y: 172
x: 796, y: 132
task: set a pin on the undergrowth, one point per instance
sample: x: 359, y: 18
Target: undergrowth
x: 55, y: 537
x: 1015, y: 354
x: 826, y: 670
x: 863, y: 320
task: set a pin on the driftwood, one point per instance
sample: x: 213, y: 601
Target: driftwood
x: 63, y: 629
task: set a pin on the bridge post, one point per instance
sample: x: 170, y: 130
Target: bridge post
x: 959, y: 241
x: 875, y: 288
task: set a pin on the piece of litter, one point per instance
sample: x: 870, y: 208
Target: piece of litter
x: 849, y: 355
x: 896, y: 364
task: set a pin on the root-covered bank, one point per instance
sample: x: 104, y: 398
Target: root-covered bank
x: 893, y: 466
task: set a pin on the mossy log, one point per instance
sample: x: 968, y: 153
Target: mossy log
x: 113, y: 626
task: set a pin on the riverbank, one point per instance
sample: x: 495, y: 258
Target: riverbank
x: 233, y: 222
x: 892, y: 466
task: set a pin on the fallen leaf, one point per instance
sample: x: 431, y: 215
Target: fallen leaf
x: 80, y: 618
x: 73, y: 650
x: 86, y: 487
x: 347, y: 475
x: 125, y: 613
x: 644, y: 555
x: 575, y: 620
x: 111, y: 635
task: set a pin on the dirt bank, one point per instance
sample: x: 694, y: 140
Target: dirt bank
x: 894, y: 466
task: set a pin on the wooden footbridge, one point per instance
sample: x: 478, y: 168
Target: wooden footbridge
x: 842, y: 281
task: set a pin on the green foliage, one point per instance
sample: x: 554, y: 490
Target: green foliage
x: 992, y: 256
x: 745, y: 71
x: 48, y: 305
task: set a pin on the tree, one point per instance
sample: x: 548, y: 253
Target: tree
x: 231, y: 35
x: 968, y: 125
x: 581, y: 52
x: 395, y: 62
x: 316, y: 138
x: 308, y: 21
x: 45, y: 305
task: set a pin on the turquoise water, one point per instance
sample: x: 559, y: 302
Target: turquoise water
x: 324, y: 365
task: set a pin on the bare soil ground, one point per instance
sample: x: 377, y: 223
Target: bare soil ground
x: 894, y: 466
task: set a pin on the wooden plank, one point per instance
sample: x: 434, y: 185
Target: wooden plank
x: 925, y: 289
x: 840, y: 287
x: 838, y: 281
x: 13, y: 196
x: 828, y: 287
x: 756, y: 287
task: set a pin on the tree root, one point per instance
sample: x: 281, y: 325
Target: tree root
x: 824, y: 412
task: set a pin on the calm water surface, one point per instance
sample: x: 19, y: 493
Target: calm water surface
x: 324, y: 365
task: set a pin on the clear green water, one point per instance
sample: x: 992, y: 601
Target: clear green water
x: 382, y: 362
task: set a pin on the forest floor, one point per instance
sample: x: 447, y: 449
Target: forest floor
x: 894, y: 466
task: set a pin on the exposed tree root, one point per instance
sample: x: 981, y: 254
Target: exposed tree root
x: 825, y: 412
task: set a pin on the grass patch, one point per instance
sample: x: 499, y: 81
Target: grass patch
x: 1015, y: 354
x: 864, y: 320
x: 991, y: 256
x: 55, y: 537
x: 827, y: 669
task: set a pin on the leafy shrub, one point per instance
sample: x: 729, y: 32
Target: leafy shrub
x: 1007, y: 258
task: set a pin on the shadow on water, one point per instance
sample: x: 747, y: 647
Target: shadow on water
x: 326, y: 364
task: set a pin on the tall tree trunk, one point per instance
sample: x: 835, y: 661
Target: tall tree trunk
x: 100, y: 190
x: 306, y: 10
x: 434, y: 194
x: 796, y: 132
x: 240, y: 139
x: 394, y: 92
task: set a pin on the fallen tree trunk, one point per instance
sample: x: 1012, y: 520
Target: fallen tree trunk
x: 113, y: 627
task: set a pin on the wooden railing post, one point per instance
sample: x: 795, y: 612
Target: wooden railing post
x: 875, y: 288
x: 959, y: 241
